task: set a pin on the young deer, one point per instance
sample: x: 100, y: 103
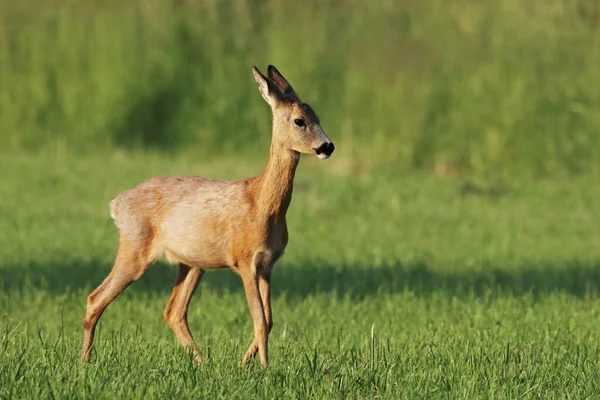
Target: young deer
x: 202, y: 223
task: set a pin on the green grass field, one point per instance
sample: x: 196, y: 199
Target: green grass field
x: 450, y: 248
x: 393, y: 286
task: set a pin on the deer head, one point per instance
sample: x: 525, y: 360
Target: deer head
x: 295, y: 124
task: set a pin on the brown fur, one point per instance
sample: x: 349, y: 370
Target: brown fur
x: 200, y: 224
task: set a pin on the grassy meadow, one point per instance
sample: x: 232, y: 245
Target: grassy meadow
x: 392, y: 287
x: 450, y: 248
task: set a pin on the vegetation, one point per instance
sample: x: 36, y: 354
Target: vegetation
x: 492, y: 88
x: 448, y: 249
x: 396, y: 287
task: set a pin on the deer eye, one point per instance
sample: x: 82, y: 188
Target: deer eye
x: 299, y: 122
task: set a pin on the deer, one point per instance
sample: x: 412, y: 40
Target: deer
x: 200, y: 224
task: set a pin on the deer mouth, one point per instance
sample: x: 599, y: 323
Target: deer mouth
x: 325, y: 150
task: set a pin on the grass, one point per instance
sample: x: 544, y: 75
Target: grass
x: 393, y: 286
x: 482, y: 87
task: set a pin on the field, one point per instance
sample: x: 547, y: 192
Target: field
x: 450, y: 248
x: 393, y: 286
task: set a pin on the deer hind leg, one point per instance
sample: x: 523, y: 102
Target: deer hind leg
x: 176, y: 312
x: 130, y: 265
x: 255, y: 304
x: 264, y: 285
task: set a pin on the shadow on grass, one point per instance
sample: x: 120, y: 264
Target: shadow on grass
x: 357, y: 281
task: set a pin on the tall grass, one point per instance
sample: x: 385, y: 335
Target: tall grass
x: 477, y: 86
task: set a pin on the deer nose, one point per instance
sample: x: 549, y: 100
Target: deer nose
x: 325, y: 148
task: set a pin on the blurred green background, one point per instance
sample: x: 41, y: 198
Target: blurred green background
x: 485, y: 87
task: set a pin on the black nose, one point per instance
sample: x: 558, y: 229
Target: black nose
x: 325, y: 148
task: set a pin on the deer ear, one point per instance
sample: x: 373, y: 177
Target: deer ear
x: 267, y: 88
x: 282, y: 83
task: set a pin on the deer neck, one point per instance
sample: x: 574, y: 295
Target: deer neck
x: 277, y: 181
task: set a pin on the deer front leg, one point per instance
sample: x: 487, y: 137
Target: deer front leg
x: 264, y: 284
x: 255, y: 304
